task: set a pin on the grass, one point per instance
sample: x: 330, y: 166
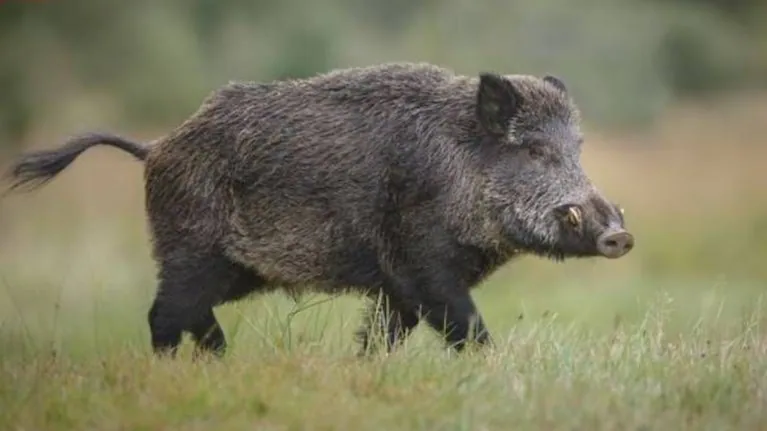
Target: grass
x: 698, y: 364
x: 670, y: 337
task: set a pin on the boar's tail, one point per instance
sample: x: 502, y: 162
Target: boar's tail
x: 35, y: 169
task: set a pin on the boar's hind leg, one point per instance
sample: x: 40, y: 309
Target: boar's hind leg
x: 208, y: 335
x: 190, y: 286
x: 389, y: 319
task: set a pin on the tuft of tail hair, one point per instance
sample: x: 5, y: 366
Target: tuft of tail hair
x: 34, y: 169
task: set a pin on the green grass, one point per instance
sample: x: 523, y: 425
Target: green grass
x: 573, y: 353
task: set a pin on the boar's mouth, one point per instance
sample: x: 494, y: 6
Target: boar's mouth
x: 611, y: 244
x: 590, y: 234
x: 575, y: 235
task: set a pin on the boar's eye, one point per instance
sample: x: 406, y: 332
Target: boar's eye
x: 536, y: 152
x: 537, y: 148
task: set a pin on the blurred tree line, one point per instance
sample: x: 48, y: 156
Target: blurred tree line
x: 151, y: 62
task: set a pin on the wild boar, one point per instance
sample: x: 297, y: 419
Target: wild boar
x: 401, y: 181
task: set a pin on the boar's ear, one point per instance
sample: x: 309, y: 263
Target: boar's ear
x: 556, y: 82
x: 497, y: 102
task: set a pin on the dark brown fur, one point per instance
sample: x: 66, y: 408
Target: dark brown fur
x: 399, y: 180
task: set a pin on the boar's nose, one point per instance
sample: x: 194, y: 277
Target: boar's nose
x: 615, y: 243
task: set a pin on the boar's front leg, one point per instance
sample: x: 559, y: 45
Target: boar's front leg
x: 447, y: 307
x: 456, y: 317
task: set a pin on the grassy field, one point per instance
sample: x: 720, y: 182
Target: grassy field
x: 670, y: 337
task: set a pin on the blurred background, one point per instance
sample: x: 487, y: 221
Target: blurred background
x: 672, y: 92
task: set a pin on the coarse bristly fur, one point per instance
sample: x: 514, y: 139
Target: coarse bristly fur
x: 403, y: 181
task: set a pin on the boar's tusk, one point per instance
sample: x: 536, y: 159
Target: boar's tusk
x: 574, y: 216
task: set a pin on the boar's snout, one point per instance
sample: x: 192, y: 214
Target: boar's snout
x: 615, y: 243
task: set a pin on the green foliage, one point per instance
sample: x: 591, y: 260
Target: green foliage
x: 625, y: 60
x: 697, y: 60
